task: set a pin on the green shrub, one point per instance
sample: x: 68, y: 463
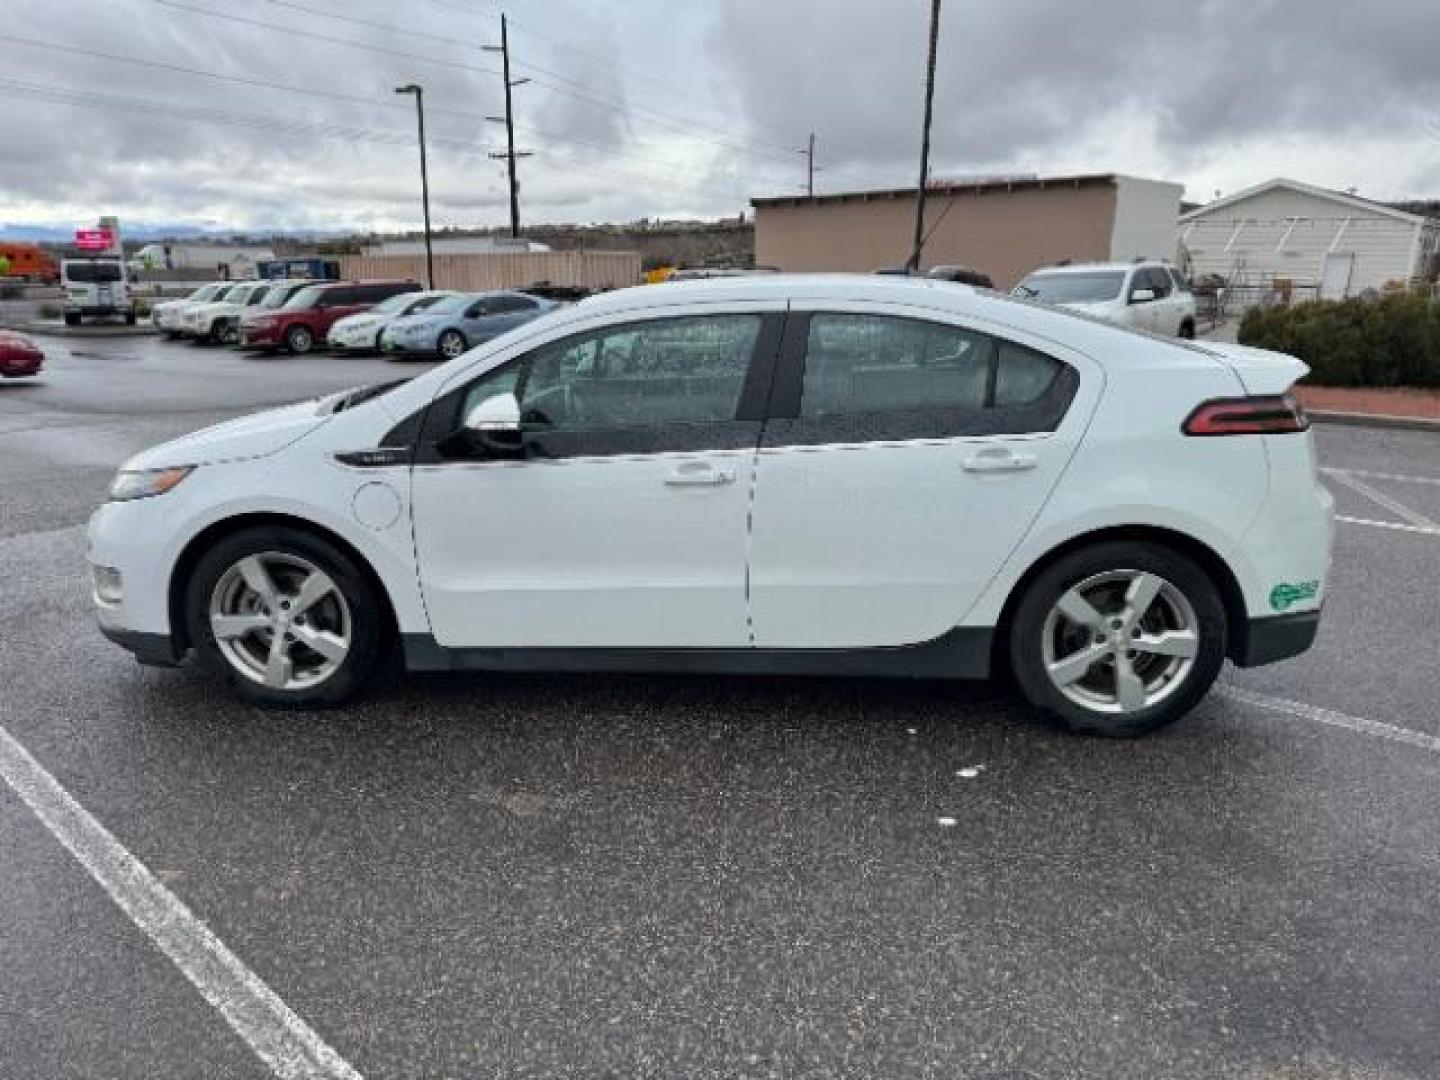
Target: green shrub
x: 1390, y: 341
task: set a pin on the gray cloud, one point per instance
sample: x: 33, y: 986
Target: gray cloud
x: 654, y: 108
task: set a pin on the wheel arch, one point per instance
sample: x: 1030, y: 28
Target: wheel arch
x: 1204, y: 556
x: 206, y: 538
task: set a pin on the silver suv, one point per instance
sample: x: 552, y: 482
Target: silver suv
x: 1148, y: 294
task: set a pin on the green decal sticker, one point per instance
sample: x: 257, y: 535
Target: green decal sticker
x: 1287, y: 593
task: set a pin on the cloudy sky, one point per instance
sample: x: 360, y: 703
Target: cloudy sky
x: 280, y: 113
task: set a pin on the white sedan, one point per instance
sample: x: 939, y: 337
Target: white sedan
x: 362, y: 332
x: 820, y: 475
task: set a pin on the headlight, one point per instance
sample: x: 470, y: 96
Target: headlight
x: 143, y: 483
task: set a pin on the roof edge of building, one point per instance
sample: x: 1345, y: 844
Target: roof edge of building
x: 947, y: 187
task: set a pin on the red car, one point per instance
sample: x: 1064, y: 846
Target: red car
x: 19, y: 356
x: 306, y: 317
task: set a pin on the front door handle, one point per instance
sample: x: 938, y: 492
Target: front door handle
x: 699, y: 474
x: 1000, y: 459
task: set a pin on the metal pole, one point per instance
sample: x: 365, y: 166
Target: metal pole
x: 510, y: 132
x: 425, y: 189
x: 913, y: 264
x: 810, y: 180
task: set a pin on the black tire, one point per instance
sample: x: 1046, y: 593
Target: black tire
x: 1187, y: 330
x: 458, y: 344
x: 230, y: 333
x: 130, y: 318
x: 379, y: 342
x: 300, y: 339
x: 72, y: 319
x: 370, y: 634
x: 1027, y: 633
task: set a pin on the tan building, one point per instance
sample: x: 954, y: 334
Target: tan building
x: 1005, y: 227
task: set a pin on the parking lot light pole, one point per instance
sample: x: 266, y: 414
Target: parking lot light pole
x: 413, y: 88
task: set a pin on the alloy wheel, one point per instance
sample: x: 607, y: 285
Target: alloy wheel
x: 1120, y: 641
x: 451, y: 345
x: 281, y: 621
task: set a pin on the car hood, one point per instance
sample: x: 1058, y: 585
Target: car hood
x: 216, y: 307
x: 364, y: 318
x: 1099, y: 308
x: 255, y: 436
x: 1260, y: 370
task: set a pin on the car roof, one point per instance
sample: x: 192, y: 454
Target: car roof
x: 1094, y: 267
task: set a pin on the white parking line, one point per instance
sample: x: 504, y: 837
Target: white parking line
x: 1414, y: 517
x: 283, y: 1041
x: 1383, y: 475
x: 1317, y: 715
x: 1387, y: 525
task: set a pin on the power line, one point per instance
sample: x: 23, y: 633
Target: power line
x: 557, y: 82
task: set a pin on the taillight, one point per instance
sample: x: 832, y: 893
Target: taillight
x: 1276, y: 415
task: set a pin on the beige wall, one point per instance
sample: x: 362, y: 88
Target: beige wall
x: 1004, y: 233
x: 476, y: 273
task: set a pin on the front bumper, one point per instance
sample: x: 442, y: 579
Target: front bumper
x: 1275, y: 637
x: 152, y: 650
x: 259, y: 336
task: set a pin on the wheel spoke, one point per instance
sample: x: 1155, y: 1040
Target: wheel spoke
x: 1079, y: 610
x: 1181, y: 643
x: 1065, y: 671
x: 278, y: 668
x: 313, y: 589
x: 258, y: 578
x: 227, y: 627
x: 1139, y: 596
x: 1129, y: 687
x: 332, y: 647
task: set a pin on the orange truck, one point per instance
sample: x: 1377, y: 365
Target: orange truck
x: 28, y: 262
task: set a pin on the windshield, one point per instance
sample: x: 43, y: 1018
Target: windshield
x: 92, y: 271
x: 395, y: 305
x: 305, y: 298
x: 255, y: 295
x: 1072, y: 288
x: 205, y: 292
x: 278, y: 294
x: 446, y: 304
x: 228, y: 292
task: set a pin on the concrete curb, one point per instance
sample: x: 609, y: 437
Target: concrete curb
x: 53, y: 329
x: 1354, y: 419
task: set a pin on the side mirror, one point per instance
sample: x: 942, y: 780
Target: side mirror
x: 1141, y: 296
x: 491, y: 429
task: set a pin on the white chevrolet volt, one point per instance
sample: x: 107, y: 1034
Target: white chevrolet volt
x: 828, y: 475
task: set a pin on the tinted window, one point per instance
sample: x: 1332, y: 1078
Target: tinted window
x: 1076, y: 287
x: 92, y: 271
x: 875, y: 363
x: 853, y: 378
x: 1156, y: 279
x: 305, y: 298
x: 373, y: 294
x: 669, y: 371
x: 508, y: 305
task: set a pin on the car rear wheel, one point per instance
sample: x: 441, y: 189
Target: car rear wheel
x: 452, y: 343
x: 1187, y: 329
x: 1118, y: 639
x: 285, y: 617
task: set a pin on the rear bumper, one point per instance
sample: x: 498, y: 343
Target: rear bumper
x: 1276, y: 637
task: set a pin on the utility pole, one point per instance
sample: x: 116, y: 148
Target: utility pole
x: 913, y: 265
x: 509, y: 121
x: 419, y: 95
x: 810, y: 166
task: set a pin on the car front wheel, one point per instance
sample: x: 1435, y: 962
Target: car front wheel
x: 299, y: 340
x: 1118, y: 639
x: 452, y: 344
x: 285, y: 617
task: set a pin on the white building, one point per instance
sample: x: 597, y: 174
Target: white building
x: 1324, y: 242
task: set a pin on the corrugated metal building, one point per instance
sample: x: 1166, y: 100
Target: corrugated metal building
x: 1324, y: 242
x: 1005, y: 226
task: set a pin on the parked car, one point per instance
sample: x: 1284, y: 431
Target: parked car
x: 361, y: 333
x: 803, y: 474
x: 305, y: 319
x: 453, y: 326
x: 168, y: 316
x: 965, y: 275
x: 218, y: 320
x: 1145, y: 295
x: 95, y: 287
x: 19, y: 356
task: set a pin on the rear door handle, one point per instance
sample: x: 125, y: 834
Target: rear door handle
x: 699, y: 474
x: 1000, y: 459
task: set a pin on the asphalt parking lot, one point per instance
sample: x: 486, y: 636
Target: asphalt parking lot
x: 697, y: 877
